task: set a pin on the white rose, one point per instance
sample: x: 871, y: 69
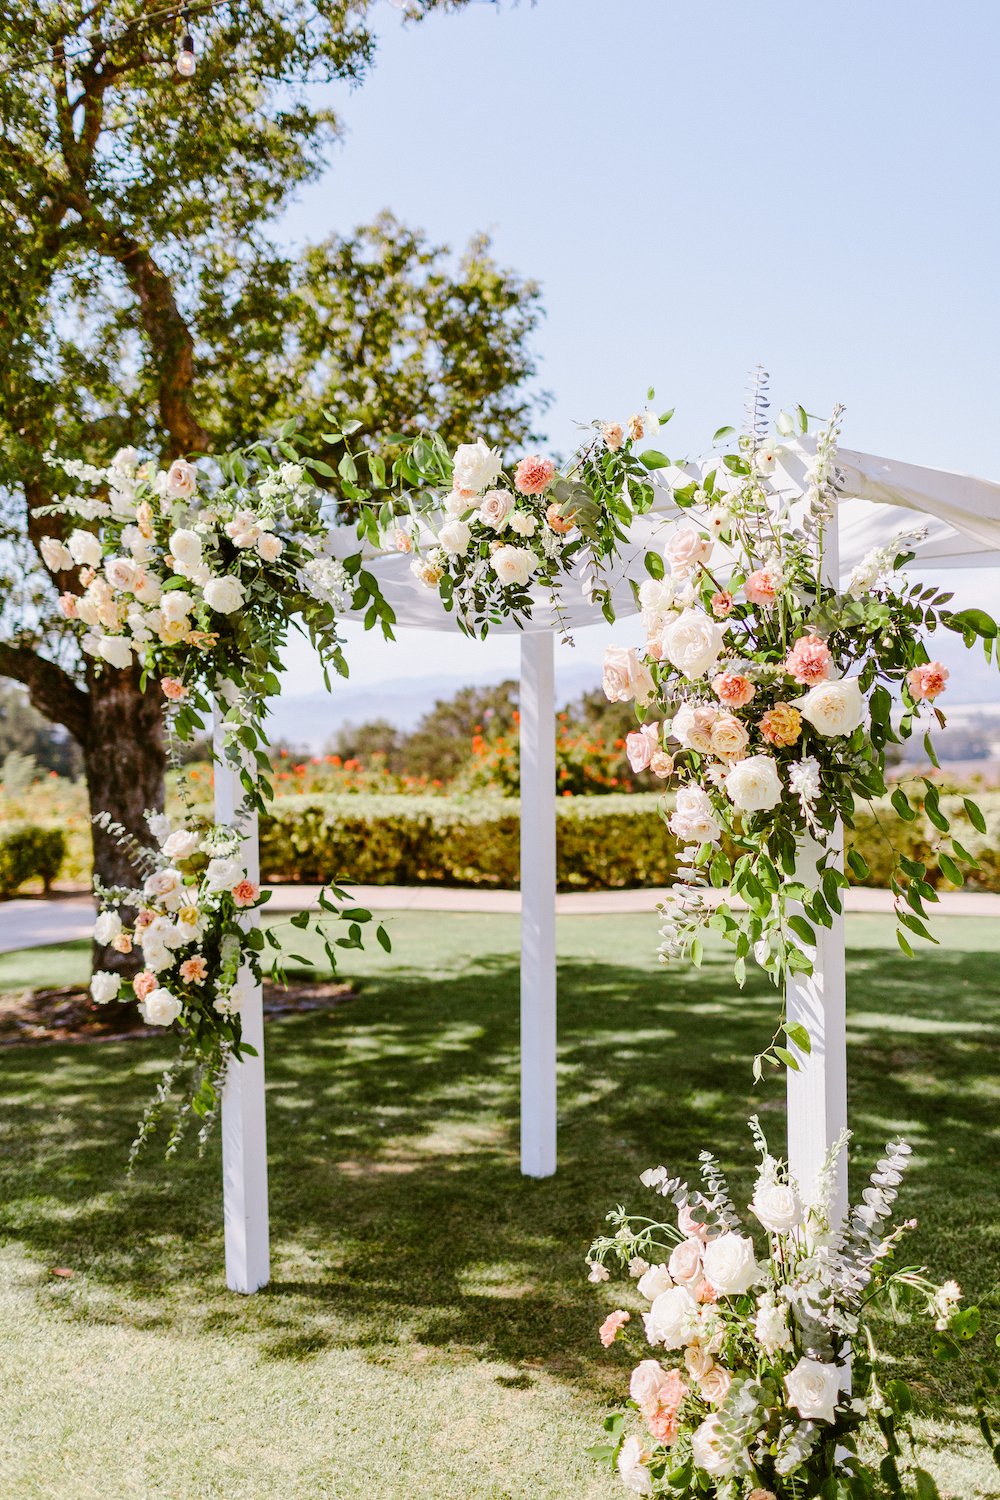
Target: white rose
x: 156, y: 956
x: 771, y: 1326
x: 692, y: 643
x: 457, y: 505
x: 160, y: 1008
x: 711, y: 1449
x: 455, y: 537
x: 116, y: 651
x: 697, y: 1362
x: 223, y: 873
x: 654, y: 1281
x: 181, y: 480
x: 181, y: 845
x: 148, y: 589
x: 812, y: 1389
x: 496, y: 508
x: 693, y: 819
x: 270, y: 547
x: 125, y: 460
x: 777, y: 1206
x: 475, y: 466
x: 523, y: 524
x: 833, y: 707
x: 55, y: 554
x: 185, y: 547
x: 730, y: 1264
x: 513, y: 565
x: 632, y: 1466
x: 647, y: 1378
x: 656, y: 595
x: 626, y: 677
x: 713, y: 1386
x: 729, y: 738
x: 84, y: 549
x: 685, y: 1263
x: 672, y: 1319
x: 107, y: 927
x: 104, y: 987
x: 753, y: 785
x: 121, y: 573
x: 224, y: 595
x: 176, y: 604
x: 165, y: 886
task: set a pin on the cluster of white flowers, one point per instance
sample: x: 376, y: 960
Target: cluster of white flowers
x: 877, y: 569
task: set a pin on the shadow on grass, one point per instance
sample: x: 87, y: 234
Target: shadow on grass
x: 401, y: 1225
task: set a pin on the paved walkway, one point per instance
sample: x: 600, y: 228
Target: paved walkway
x: 35, y: 923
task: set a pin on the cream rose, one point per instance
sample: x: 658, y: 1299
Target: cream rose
x: 164, y: 885
x: 812, y: 1389
x: 182, y: 844
x: 692, y: 643
x: 711, y: 1449
x: 697, y: 1361
x: 107, y: 927
x: 647, y: 1379
x: 122, y: 573
x: 625, y: 676
x: 223, y: 873
x: 55, y: 554
x: 495, y: 509
x: 181, y: 480
x: 514, y: 565
x: 455, y: 537
x: 116, y: 651
x: 833, y: 708
x: 672, y: 1319
x: 269, y: 547
x: 185, y: 547
x: 176, y: 604
x: 653, y: 1281
x: 693, y: 819
x: 714, y: 1385
x: 84, y: 549
x: 475, y: 466
x: 224, y: 595
x: 753, y: 785
x: 104, y: 986
x: 685, y: 1263
x: 729, y: 738
x: 160, y: 1008
x: 632, y: 1467
x: 692, y: 725
x: 687, y: 548
x: 730, y: 1264
x: 777, y: 1206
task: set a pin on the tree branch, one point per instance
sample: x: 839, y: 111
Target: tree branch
x: 51, y: 690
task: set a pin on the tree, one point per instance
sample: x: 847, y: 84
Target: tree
x: 143, y: 300
x: 441, y: 743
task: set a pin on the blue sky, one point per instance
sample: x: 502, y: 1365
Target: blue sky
x: 698, y: 187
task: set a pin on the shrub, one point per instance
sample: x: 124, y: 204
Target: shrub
x: 30, y: 852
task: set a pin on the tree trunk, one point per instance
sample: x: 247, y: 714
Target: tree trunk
x: 125, y: 762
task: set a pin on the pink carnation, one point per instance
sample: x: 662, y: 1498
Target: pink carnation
x: 144, y: 983
x: 733, y: 689
x: 194, y: 970
x: 661, y: 1412
x: 722, y: 604
x: 809, y: 661
x: 927, y: 681
x: 173, y: 688
x: 245, y: 893
x: 609, y: 1328
x: 761, y: 587
x: 533, y: 475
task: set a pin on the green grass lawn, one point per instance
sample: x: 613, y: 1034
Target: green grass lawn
x: 429, y: 1330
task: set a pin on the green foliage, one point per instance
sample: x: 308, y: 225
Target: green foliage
x: 28, y: 853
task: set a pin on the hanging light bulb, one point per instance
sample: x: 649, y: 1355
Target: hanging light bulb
x: 186, y: 60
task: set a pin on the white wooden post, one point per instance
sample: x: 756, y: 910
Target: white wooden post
x: 244, y: 1129
x: 538, y: 905
x: 817, y: 1093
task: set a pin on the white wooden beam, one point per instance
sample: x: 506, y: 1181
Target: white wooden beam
x: 538, y: 905
x: 244, y: 1128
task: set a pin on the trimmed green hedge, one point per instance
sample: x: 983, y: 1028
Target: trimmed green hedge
x: 30, y: 852
x: 612, y: 842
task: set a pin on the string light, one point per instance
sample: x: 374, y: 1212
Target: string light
x: 186, y: 60
x: 117, y: 32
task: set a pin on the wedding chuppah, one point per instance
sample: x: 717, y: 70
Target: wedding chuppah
x: 786, y: 649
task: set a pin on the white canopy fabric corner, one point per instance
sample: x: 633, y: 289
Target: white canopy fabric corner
x: 879, y: 498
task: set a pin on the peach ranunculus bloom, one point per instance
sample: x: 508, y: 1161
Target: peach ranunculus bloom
x: 781, y: 725
x: 809, y: 661
x: 722, y: 603
x: 927, y: 681
x: 533, y: 475
x: 609, y: 1328
x: 194, y: 970
x: 173, y: 688
x: 636, y: 427
x: 144, y: 983
x: 613, y: 434
x: 762, y: 587
x: 733, y: 689
x: 245, y: 893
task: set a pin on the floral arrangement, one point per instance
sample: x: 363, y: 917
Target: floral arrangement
x: 759, y: 1376
x: 483, y: 534
x: 766, y: 696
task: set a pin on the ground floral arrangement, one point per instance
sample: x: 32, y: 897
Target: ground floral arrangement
x: 765, y: 1381
x: 766, y: 696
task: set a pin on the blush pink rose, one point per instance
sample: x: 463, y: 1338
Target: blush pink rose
x: 67, y: 606
x: 533, y: 475
x: 762, y: 587
x: 245, y: 893
x: 686, y: 549
x: 733, y: 688
x: 927, y: 681
x: 809, y: 661
x: 144, y: 983
x: 173, y: 688
x: 612, y: 1323
x: 690, y: 1226
x: 641, y: 745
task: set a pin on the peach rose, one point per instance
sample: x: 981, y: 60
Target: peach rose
x: 662, y: 1424
x: 625, y: 676
x: 927, y: 681
x: 608, y: 1331
x: 722, y: 603
x: 762, y: 587
x: 613, y: 435
x: 714, y: 1385
x: 403, y: 540
x: 194, y: 970
x: 661, y: 764
x: 556, y: 521
x: 122, y: 943
x: 173, y: 688
x: 636, y: 427
x: 533, y: 475
x: 809, y: 661
x: 733, y: 688
x: 144, y: 983
x: 245, y: 893
x: 781, y: 725
x: 729, y: 739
